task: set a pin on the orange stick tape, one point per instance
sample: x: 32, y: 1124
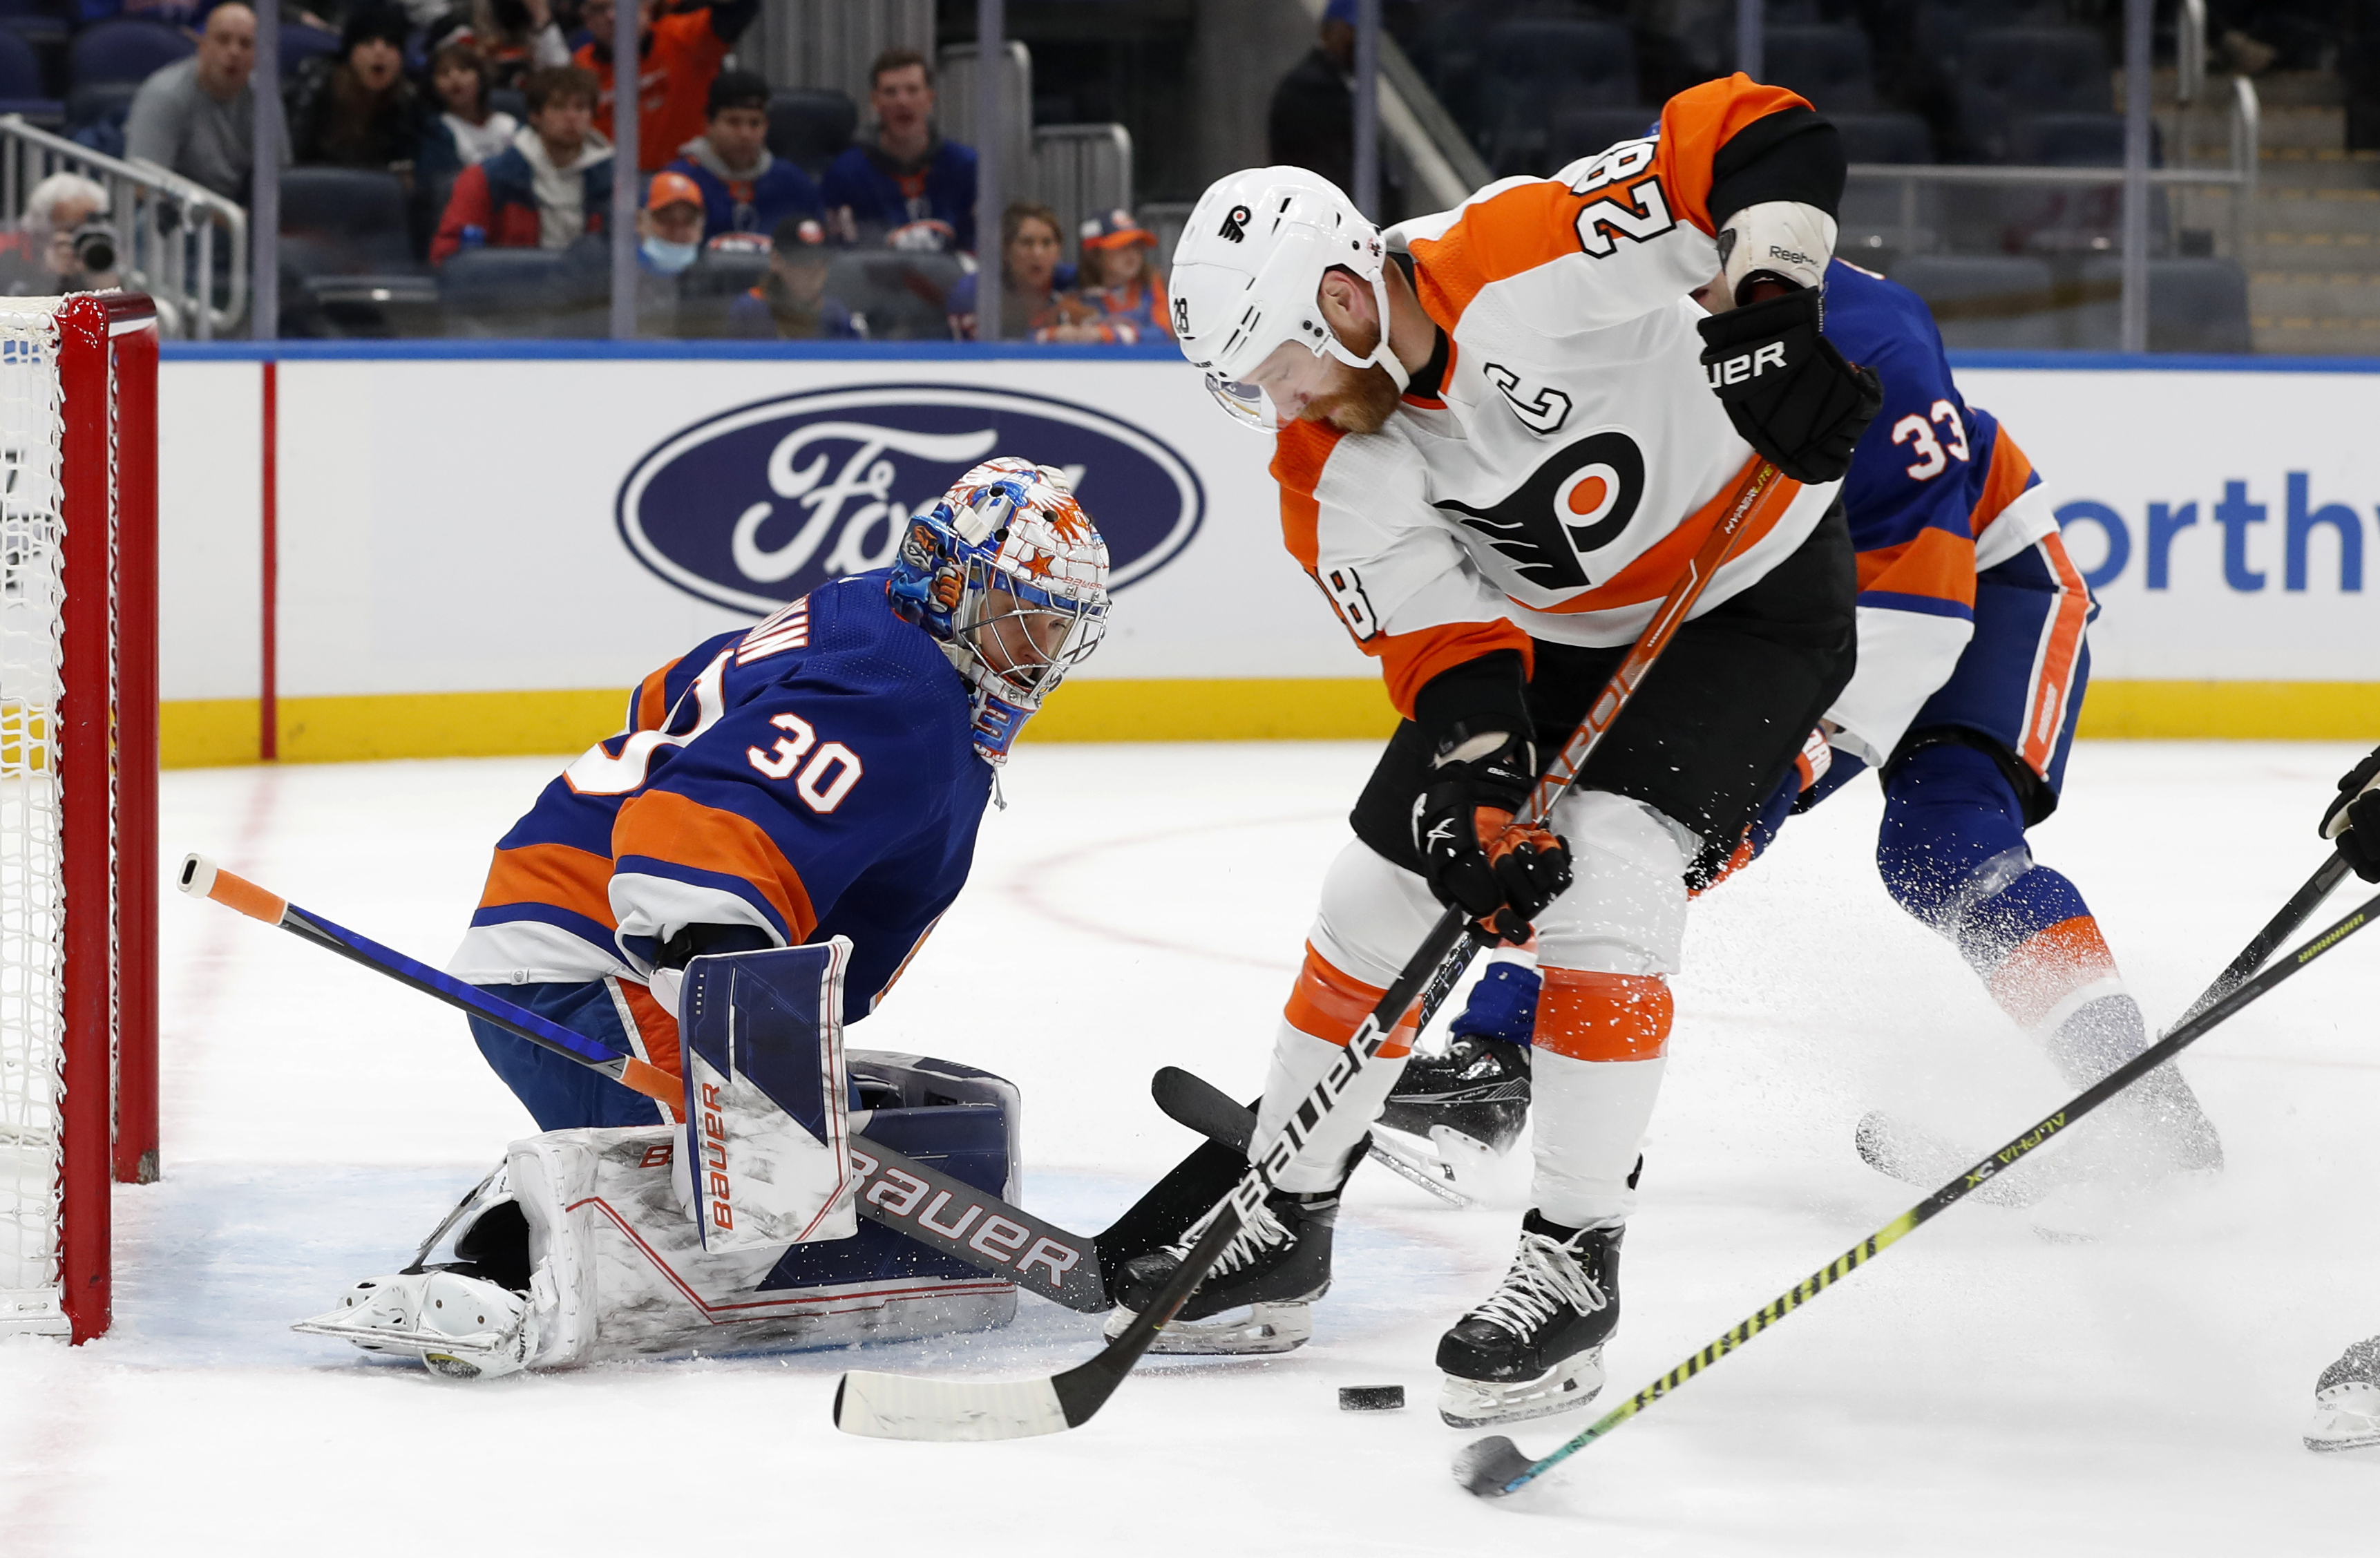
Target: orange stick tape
x: 238, y: 892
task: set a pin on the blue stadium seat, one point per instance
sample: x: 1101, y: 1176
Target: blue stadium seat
x: 1538, y: 69
x: 338, y: 221
x: 2195, y: 305
x: 125, y: 51
x: 1884, y: 137
x: 300, y: 43
x: 1827, y: 64
x: 95, y: 114
x: 20, y: 84
x: 525, y: 292
x: 2006, y: 302
x: 1582, y: 133
x: 809, y: 129
x: 2012, y: 71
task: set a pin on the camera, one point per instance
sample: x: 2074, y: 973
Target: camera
x: 94, y: 247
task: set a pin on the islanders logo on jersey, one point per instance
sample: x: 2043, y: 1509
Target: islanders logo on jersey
x: 757, y: 506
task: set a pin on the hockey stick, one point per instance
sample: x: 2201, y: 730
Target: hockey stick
x: 890, y: 1186
x: 1878, y: 1129
x: 2280, y: 928
x: 1495, y: 1467
x: 1190, y: 1100
x: 894, y: 1407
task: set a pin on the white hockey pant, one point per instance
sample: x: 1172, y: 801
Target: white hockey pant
x: 1606, y: 946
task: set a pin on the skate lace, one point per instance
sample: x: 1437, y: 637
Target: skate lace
x: 1256, y: 1234
x: 1545, y: 1276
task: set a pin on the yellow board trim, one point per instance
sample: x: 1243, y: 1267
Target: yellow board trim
x: 212, y: 732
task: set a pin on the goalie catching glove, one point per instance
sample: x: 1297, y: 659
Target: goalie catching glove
x: 1472, y: 852
x: 1789, y: 391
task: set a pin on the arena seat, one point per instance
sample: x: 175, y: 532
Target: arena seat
x: 2006, y: 302
x: 20, y: 84
x: 2195, y: 305
x: 809, y: 129
x: 1540, y: 68
x: 1827, y: 64
x: 300, y: 43
x: 2010, y: 72
x: 124, y: 50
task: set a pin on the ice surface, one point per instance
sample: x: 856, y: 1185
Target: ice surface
x: 1977, y: 1389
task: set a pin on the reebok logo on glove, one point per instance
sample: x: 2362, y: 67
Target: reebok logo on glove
x: 1735, y: 369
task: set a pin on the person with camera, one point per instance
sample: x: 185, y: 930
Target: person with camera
x: 63, y: 244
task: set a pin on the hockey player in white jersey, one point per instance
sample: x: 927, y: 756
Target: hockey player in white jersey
x: 1503, y: 432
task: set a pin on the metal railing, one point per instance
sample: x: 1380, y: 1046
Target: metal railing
x: 178, y: 241
x: 2239, y: 176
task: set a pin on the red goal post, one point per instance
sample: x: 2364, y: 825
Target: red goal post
x: 78, y: 796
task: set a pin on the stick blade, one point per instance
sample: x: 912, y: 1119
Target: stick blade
x: 1489, y: 1469
x: 900, y: 1406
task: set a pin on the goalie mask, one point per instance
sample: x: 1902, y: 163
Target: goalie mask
x: 1008, y: 572
x: 1247, y: 274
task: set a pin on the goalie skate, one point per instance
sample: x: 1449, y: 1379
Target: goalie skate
x: 2347, y: 1401
x: 461, y: 1327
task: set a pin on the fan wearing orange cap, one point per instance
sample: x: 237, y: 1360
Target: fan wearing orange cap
x: 669, y: 230
x: 1120, y: 278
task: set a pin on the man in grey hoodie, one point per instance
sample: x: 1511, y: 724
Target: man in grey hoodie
x: 198, y: 115
x: 744, y: 188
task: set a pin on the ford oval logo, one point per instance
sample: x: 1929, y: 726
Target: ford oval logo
x: 759, y: 505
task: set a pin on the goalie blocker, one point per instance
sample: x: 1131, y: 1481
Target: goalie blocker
x: 735, y: 1229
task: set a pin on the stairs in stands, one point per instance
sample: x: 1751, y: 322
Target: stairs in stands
x: 2313, y: 235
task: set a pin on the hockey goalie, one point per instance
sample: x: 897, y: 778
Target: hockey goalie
x: 751, y: 863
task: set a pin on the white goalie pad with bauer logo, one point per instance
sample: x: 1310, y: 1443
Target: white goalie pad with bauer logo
x: 768, y: 1128
x: 733, y: 1230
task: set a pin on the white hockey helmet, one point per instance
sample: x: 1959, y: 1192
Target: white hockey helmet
x: 1247, y: 276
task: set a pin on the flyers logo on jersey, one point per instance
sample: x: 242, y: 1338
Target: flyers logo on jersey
x: 1575, y: 504
x: 759, y: 505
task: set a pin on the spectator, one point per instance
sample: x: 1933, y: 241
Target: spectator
x: 669, y: 230
x: 1118, y: 281
x: 198, y: 115
x: 1034, y: 308
x: 1312, y: 123
x: 680, y: 55
x: 356, y: 109
x: 517, y: 36
x: 550, y: 188
x: 465, y: 129
x: 745, y: 188
x: 905, y: 172
x: 62, y: 245
x: 792, y: 304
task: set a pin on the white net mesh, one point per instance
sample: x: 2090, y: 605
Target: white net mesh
x: 32, y: 901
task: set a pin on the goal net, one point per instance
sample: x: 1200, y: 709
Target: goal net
x: 77, y: 794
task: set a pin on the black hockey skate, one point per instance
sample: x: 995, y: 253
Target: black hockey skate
x: 1478, y: 1088
x: 1536, y: 1347
x: 1273, y: 1269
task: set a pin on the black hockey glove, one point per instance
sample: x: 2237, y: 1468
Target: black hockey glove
x: 1472, y: 852
x: 2354, y: 818
x: 1786, y: 388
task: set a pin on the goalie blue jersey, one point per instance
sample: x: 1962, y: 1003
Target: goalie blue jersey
x: 811, y: 776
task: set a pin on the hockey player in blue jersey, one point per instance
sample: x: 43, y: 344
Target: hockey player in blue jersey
x: 818, y: 777
x: 1973, y: 661
x: 820, y: 774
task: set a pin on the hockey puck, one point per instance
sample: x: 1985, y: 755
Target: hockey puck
x: 1371, y: 1398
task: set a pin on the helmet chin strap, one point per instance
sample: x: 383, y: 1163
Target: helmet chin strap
x: 1381, y: 357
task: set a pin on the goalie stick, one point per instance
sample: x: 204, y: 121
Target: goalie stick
x: 890, y: 1188
x: 1495, y: 1467
x: 894, y: 1407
